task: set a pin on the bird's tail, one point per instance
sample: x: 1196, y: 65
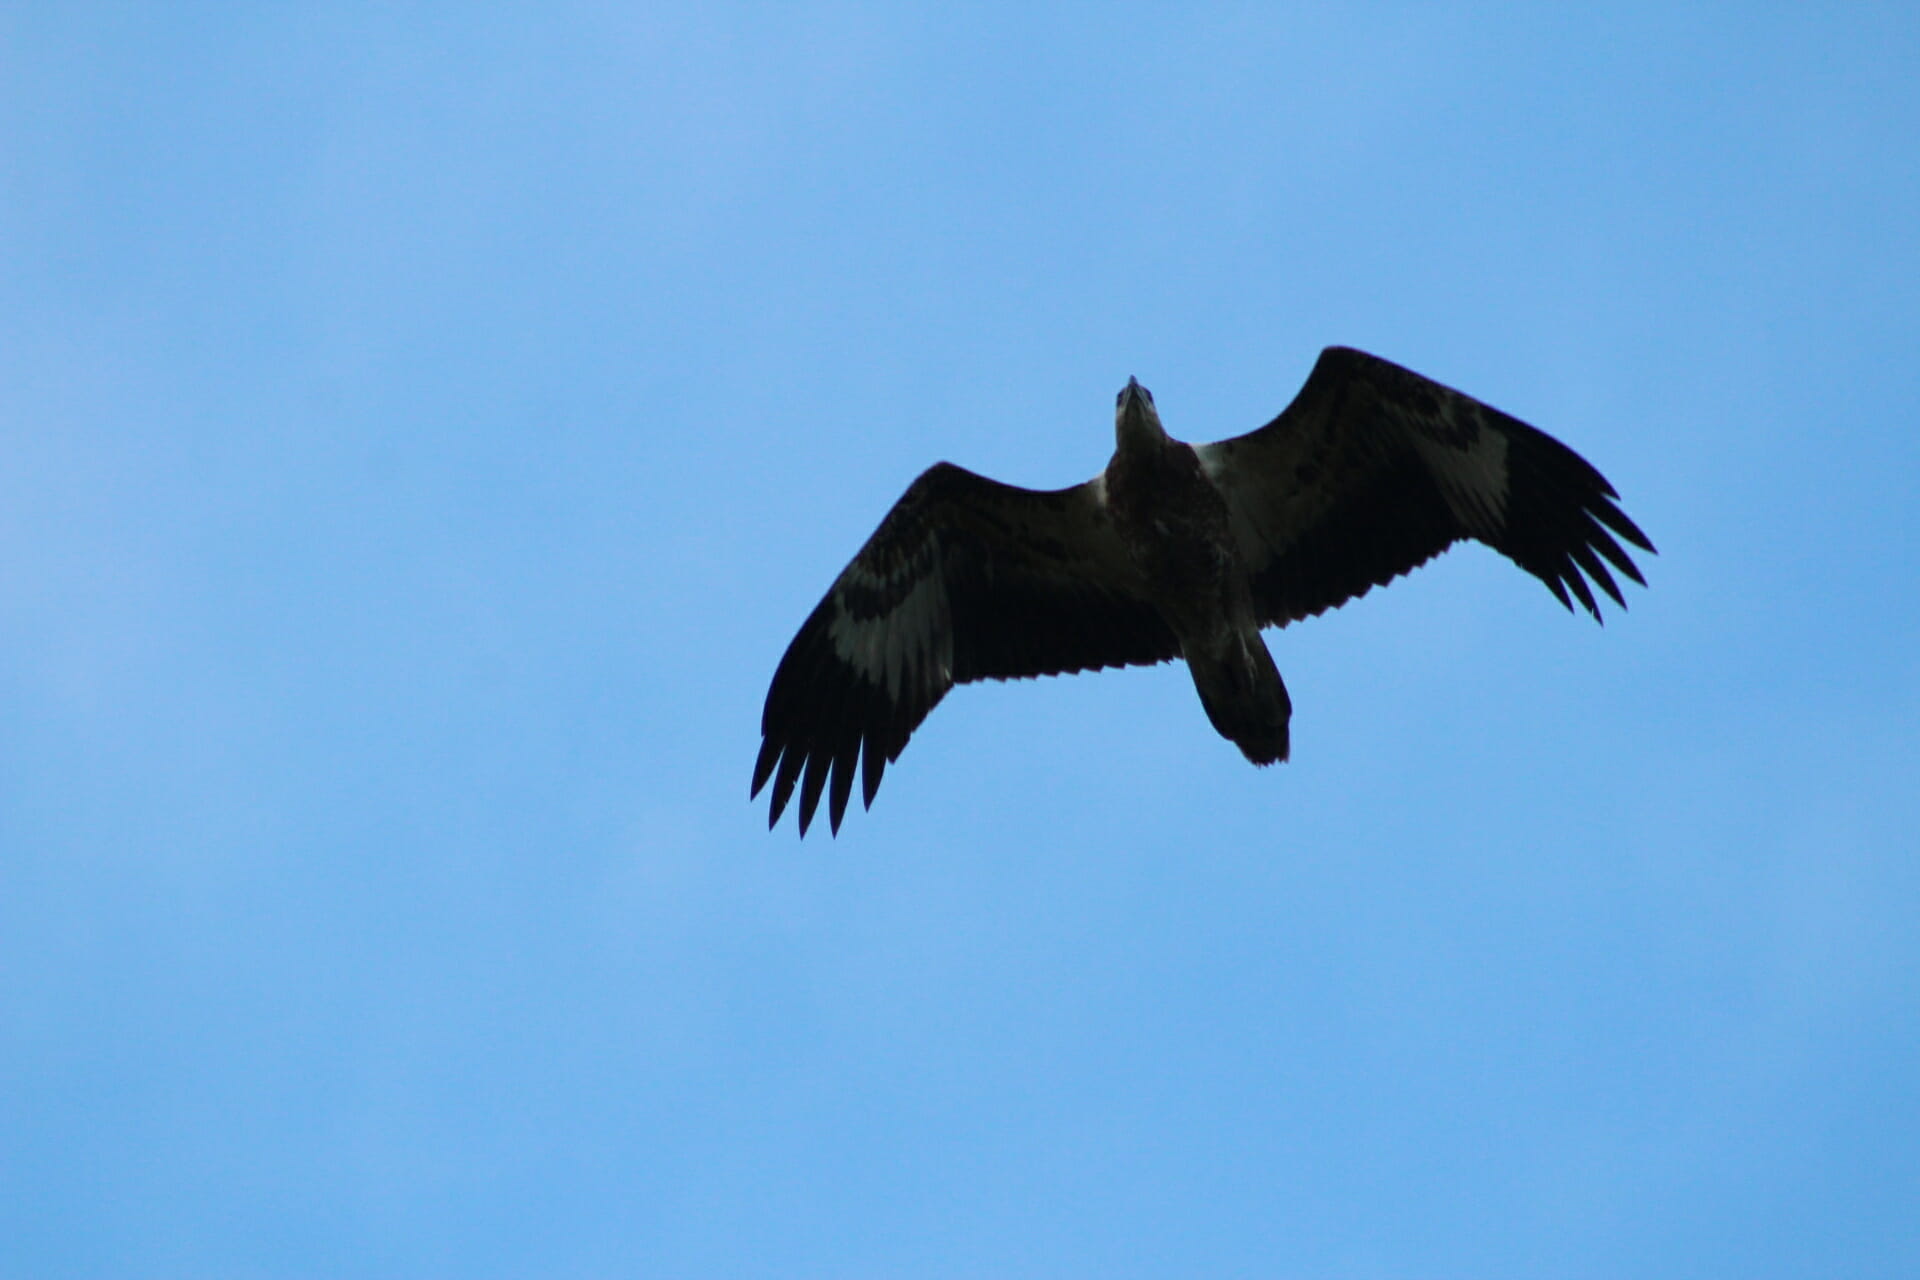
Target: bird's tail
x: 1244, y: 695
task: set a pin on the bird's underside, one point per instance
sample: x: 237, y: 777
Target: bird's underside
x: 1173, y: 551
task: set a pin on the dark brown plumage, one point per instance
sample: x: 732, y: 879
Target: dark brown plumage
x: 1174, y: 551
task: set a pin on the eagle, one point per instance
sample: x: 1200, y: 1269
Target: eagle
x: 1174, y: 551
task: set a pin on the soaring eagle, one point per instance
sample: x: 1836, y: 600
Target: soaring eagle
x: 1174, y: 551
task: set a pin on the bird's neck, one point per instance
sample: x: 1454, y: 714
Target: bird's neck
x: 1138, y: 436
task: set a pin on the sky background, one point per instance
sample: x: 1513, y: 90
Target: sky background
x: 423, y: 427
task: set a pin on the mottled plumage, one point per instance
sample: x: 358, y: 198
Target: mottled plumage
x: 1174, y: 551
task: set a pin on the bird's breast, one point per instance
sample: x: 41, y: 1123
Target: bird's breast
x: 1174, y: 524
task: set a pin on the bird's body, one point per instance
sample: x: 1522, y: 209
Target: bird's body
x: 1173, y: 551
x: 1178, y: 535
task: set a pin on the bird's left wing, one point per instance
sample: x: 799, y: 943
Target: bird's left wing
x: 965, y: 579
x: 1373, y: 470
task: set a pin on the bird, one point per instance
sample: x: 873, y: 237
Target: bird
x: 1174, y: 551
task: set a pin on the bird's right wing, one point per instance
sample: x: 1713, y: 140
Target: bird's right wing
x: 965, y: 579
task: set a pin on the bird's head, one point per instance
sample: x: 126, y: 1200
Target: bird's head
x: 1136, y: 422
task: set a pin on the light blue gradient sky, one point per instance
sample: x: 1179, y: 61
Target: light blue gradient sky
x: 421, y: 431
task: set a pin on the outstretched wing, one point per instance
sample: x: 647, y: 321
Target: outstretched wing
x: 1373, y: 470
x: 966, y: 579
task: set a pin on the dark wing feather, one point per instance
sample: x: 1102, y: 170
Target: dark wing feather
x: 1373, y: 470
x: 965, y: 579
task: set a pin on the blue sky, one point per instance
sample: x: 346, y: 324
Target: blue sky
x: 422, y: 429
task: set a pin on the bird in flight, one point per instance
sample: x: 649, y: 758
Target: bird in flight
x: 1174, y: 551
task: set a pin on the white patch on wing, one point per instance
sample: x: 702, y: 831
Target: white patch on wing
x: 1474, y: 479
x: 1213, y: 463
x: 913, y: 640
x: 1256, y: 547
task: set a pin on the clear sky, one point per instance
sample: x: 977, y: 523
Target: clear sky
x: 422, y: 427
